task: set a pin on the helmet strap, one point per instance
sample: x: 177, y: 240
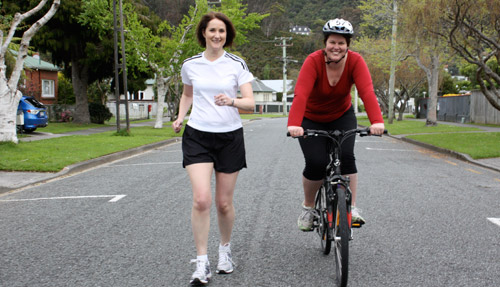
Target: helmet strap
x: 336, y: 62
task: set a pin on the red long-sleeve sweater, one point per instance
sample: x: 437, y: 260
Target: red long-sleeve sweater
x: 316, y: 100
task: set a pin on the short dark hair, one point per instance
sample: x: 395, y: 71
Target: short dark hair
x: 346, y: 36
x: 202, y: 26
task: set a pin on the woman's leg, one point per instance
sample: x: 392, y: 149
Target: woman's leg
x: 224, y: 191
x: 353, y: 184
x: 310, y: 189
x: 200, y: 175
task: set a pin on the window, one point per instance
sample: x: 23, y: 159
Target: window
x: 48, y: 89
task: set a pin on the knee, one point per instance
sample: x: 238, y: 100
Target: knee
x: 224, y: 206
x: 202, y: 202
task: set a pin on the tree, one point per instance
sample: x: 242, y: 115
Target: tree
x: 474, y: 33
x: 9, y: 94
x: 77, y: 47
x: 423, y: 22
x: 381, y: 15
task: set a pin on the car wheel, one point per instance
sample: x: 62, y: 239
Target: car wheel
x: 28, y: 131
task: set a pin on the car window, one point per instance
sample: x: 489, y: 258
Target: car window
x: 35, y: 103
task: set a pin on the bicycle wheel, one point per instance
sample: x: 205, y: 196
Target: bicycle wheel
x: 322, y: 227
x: 341, y: 239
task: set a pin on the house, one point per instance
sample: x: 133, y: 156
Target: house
x: 300, y: 30
x: 277, y: 86
x: 41, y: 79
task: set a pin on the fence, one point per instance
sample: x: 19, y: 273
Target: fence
x: 482, y: 112
x: 474, y: 108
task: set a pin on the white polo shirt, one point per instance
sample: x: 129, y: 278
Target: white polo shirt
x: 209, y: 79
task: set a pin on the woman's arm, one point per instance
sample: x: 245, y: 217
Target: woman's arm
x: 184, y: 105
x: 247, y: 101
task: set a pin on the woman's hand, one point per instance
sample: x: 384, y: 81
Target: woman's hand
x: 223, y: 100
x: 377, y: 129
x: 295, y: 131
x: 177, y: 125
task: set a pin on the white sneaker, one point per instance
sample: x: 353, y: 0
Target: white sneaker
x: 202, y: 274
x: 226, y: 264
x: 356, y: 217
x: 306, y: 218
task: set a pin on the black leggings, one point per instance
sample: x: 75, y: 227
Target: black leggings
x: 315, y: 149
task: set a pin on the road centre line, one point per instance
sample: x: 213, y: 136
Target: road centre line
x: 474, y: 171
x: 494, y: 220
x: 142, y: 164
x: 114, y: 198
x: 390, y: 149
x: 450, y: 162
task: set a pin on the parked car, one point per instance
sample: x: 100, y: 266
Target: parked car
x: 34, y: 114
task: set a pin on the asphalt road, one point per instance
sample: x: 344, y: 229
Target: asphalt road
x: 127, y: 223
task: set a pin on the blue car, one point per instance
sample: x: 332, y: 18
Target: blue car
x: 35, y: 114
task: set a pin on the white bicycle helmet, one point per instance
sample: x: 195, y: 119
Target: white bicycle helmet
x: 338, y: 26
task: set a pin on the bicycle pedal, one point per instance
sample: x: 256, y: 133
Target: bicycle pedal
x: 356, y: 225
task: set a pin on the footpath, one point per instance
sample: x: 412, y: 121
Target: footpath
x: 14, y: 180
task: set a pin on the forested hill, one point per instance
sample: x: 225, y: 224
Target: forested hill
x: 260, y: 52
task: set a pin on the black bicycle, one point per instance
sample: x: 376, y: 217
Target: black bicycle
x: 333, y: 203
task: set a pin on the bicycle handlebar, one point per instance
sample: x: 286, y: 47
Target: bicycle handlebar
x: 336, y: 133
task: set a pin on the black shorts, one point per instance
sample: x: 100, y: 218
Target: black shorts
x: 225, y: 150
x: 315, y: 149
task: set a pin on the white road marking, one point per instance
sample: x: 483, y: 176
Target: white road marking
x: 495, y: 220
x: 114, y: 198
x: 142, y: 164
x: 390, y: 149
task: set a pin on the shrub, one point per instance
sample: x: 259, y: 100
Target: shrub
x: 99, y: 113
x: 66, y: 116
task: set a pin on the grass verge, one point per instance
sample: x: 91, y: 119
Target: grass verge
x: 467, y: 140
x: 477, y: 145
x: 52, y: 155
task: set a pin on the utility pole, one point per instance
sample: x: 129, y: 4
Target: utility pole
x: 117, y: 80
x: 392, y: 77
x: 284, y: 96
x: 124, y: 68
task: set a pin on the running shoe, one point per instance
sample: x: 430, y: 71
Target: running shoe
x: 226, y: 264
x: 306, y: 218
x: 202, y: 274
x: 356, y: 217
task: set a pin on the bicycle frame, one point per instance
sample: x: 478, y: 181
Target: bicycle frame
x: 333, y: 202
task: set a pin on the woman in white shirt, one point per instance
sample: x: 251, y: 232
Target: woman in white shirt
x: 213, y: 137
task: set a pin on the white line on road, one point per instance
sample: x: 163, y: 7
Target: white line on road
x: 495, y: 220
x: 390, y: 149
x: 114, y: 198
x: 149, y: 163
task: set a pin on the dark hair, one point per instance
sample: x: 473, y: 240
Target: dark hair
x: 346, y: 36
x: 202, y: 26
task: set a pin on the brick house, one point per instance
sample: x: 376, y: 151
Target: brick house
x: 41, y: 80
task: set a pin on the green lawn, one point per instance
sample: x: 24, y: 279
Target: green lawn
x: 52, y: 155
x: 468, y: 140
x: 60, y: 128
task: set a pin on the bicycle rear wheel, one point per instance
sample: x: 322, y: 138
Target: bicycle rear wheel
x: 322, y: 228
x: 341, y: 238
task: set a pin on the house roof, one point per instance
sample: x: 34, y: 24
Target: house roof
x: 259, y: 86
x: 39, y: 64
x: 277, y: 85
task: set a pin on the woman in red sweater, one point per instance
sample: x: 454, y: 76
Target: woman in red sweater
x: 323, y: 101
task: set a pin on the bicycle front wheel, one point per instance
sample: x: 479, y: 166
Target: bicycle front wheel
x: 341, y: 237
x: 323, y: 229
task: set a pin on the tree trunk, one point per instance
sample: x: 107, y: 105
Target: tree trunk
x: 9, y: 101
x: 162, y: 84
x: 433, y: 78
x: 80, y: 78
